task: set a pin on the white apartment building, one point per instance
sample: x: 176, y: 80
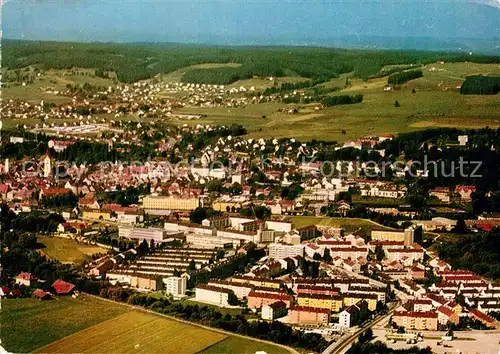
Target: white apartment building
x: 175, y: 286
x: 280, y: 251
x: 212, y: 294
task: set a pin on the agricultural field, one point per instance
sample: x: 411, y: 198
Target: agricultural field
x: 89, y: 325
x: 349, y: 224
x: 435, y: 103
x: 431, y: 101
x: 241, y: 346
x: 28, y: 324
x: 137, y: 331
x: 52, y: 80
x: 67, y: 250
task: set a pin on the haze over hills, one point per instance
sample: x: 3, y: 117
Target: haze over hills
x: 468, y: 25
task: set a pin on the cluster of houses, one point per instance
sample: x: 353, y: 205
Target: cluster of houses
x: 25, y: 279
x: 296, y: 300
x: 437, y: 306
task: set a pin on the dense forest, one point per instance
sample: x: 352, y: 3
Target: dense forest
x: 480, y: 85
x: 479, y: 253
x: 404, y: 76
x: 133, y: 62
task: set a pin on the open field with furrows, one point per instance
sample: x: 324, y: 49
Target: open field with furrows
x: 349, y: 224
x: 28, y: 324
x: 67, y: 250
x: 90, y: 325
x: 137, y: 332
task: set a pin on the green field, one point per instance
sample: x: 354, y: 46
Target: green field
x: 241, y: 346
x: 89, y: 325
x: 435, y: 103
x: 349, y: 224
x: 137, y: 332
x: 67, y: 250
x: 28, y: 324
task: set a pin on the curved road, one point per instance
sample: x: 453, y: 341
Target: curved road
x: 344, y: 344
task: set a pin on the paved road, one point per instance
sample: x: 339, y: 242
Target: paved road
x: 345, y: 343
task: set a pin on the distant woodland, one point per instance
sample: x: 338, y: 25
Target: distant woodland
x: 133, y: 62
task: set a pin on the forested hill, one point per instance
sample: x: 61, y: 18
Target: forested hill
x: 479, y: 253
x: 133, y: 62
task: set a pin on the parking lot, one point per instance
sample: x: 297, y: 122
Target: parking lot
x: 466, y: 343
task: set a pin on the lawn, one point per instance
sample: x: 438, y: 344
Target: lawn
x: 67, y: 250
x: 135, y: 332
x: 349, y: 224
x: 241, y: 346
x: 28, y: 324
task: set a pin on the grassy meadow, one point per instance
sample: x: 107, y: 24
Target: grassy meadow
x: 430, y: 101
x: 349, y: 224
x: 67, y: 250
x: 89, y: 325
x: 241, y: 346
x: 28, y: 324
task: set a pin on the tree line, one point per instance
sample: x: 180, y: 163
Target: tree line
x: 134, y: 62
x: 404, y: 76
x: 480, y: 85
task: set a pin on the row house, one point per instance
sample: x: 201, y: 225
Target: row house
x: 353, y: 298
x: 317, y: 290
x: 308, y: 316
x: 258, y: 281
x: 332, y: 303
x: 416, y: 320
x: 411, y: 254
x: 255, y: 300
x: 241, y: 290
x: 215, y: 295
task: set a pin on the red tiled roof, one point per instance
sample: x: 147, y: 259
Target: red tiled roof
x: 482, y: 316
x: 26, y: 276
x: 426, y: 314
x: 445, y: 310
x: 309, y: 309
x: 213, y: 288
x: 282, y: 297
x: 333, y: 243
x: 62, y: 287
x: 40, y: 293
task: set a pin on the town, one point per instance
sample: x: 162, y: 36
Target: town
x: 183, y: 198
x: 266, y: 226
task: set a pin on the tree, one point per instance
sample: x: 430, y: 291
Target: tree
x: 317, y: 256
x: 192, y: 265
x: 232, y: 299
x: 327, y: 256
x: 460, y: 227
x: 379, y: 253
x: 396, y: 104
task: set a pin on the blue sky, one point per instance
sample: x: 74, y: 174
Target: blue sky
x: 240, y: 22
